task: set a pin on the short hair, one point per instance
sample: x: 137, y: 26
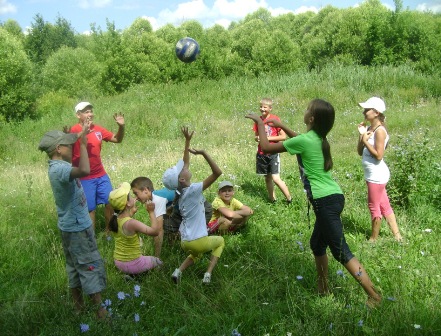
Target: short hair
x: 142, y: 182
x: 266, y: 101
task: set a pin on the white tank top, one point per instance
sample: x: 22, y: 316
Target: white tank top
x: 375, y: 171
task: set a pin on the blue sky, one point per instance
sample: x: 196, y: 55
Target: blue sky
x: 81, y: 13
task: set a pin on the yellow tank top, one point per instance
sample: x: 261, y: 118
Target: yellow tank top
x: 127, y: 248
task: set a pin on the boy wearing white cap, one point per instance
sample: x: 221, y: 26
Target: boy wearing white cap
x: 229, y: 214
x: 97, y: 185
x: 190, y: 198
x: 84, y: 265
x: 372, y: 143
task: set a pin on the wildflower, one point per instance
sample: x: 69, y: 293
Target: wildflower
x: 121, y: 295
x: 107, y: 303
x: 84, y: 327
x: 360, y: 323
x: 137, y: 294
x: 137, y: 288
x: 300, y: 245
x: 340, y: 273
x: 299, y: 277
x: 235, y: 333
x: 428, y: 230
x: 136, y: 317
x: 391, y: 298
x: 330, y: 326
x: 422, y: 253
x: 417, y: 326
x: 143, y: 303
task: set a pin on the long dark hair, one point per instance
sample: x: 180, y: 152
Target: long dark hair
x: 324, y: 116
x: 113, y: 223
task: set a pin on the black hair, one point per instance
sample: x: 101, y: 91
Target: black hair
x: 113, y: 223
x: 324, y: 116
x: 142, y: 183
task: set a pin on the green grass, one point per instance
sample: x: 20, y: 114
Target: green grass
x: 255, y: 287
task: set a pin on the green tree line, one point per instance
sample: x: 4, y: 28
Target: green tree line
x: 52, y: 61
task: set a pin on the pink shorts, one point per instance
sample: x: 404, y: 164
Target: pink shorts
x: 137, y: 266
x: 378, y: 201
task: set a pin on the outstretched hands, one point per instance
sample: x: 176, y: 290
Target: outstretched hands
x: 188, y: 135
x: 196, y: 151
x: 119, y: 118
x: 253, y: 117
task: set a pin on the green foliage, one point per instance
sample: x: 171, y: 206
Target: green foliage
x: 13, y: 28
x: 16, y: 75
x: 73, y: 72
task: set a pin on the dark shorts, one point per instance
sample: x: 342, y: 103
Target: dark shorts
x: 97, y: 191
x: 267, y: 164
x: 328, y: 228
x: 84, y: 265
x: 172, y: 222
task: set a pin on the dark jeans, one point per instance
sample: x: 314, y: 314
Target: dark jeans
x: 328, y: 228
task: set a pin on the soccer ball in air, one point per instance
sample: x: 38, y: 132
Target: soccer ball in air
x: 187, y: 49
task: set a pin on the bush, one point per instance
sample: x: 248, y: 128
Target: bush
x: 16, y: 96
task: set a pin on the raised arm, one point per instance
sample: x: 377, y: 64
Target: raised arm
x: 188, y: 137
x: 215, y: 170
x: 119, y: 136
x: 83, y: 168
x: 285, y: 130
x: 263, y: 140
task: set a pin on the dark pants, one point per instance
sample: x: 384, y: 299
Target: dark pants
x: 328, y: 228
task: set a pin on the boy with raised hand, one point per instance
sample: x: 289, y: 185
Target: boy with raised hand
x: 229, y: 214
x: 97, y: 185
x: 84, y: 265
x: 268, y: 165
x: 142, y: 188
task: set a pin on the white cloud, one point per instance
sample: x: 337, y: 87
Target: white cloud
x: 6, y: 7
x: 424, y: 7
x: 86, y: 4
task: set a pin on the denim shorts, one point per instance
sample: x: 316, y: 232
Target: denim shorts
x: 84, y: 265
x: 328, y: 228
x: 267, y: 164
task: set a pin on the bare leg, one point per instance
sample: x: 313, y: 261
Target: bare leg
x: 213, y: 262
x: 187, y: 262
x: 108, y: 213
x: 77, y: 296
x: 282, y: 186
x: 270, y: 187
x: 392, y: 221
x: 321, y: 264
x: 158, y: 243
x: 92, y: 217
x: 102, y: 312
x: 359, y: 273
x: 376, y: 225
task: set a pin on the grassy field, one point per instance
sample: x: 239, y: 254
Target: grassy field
x: 265, y: 281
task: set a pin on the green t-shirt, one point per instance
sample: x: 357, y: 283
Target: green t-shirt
x: 309, y: 147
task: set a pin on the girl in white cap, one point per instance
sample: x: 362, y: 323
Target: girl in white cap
x: 189, y: 196
x: 372, y: 143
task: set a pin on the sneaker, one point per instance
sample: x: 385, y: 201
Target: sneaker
x: 176, y: 276
x: 207, y: 278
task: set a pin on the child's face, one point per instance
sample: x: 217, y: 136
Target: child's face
x: 185, y: 176
x: 85, y: 114
x: 265, y: 109
x: 143, y: 195
x: 226, y: 194
x: 65, y: 151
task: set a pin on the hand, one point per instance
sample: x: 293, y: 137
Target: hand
x: 366, y: 135
x: 273, y: 123
x: 186, y: 133
x: 66, y: 129
x: 362, y: 128
x: 119, y: 118
x: 196, y: 151
x: 149, y: 206
x: 253, y: 117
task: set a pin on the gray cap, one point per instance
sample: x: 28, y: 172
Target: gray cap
x: 225, y: 184
x: 54, y: 138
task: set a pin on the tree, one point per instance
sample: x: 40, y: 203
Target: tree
x: 13, y: 28
x: 16, y: 76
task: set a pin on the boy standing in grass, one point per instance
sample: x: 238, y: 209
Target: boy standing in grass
x: 229, y: 214
x: 268, y: 165
x: 142, y: 188
x: 84, y: 265
x: 97, y: 185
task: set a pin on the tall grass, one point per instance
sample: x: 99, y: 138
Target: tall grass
x: 265, y: 281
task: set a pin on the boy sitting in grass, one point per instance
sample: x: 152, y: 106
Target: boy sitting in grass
x: 229, y: 214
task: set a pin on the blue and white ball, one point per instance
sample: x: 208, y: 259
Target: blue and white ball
x: 187, y: 49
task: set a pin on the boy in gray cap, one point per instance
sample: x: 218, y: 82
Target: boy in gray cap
x: 84, y: 265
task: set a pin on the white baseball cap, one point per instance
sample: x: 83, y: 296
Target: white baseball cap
x: 374, y: 103
x: 170, y: 179
x: 81, y: 106
x: 225, y: 184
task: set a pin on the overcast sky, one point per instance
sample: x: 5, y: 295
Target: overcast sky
x: 81, y: 13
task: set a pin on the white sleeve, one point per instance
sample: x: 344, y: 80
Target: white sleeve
x: 160, y: 205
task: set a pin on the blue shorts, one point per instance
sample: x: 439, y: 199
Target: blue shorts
x: 97, y: 191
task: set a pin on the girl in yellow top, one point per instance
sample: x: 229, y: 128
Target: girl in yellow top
x: 127, y: 253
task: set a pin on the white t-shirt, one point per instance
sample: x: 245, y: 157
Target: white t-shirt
x: 191, y: 206
x: 160, y: 205
x: 375, y: 171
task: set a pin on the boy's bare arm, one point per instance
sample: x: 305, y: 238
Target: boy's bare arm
x: 216, y: 171
x: 188, y: 137
x: 119, y: 136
